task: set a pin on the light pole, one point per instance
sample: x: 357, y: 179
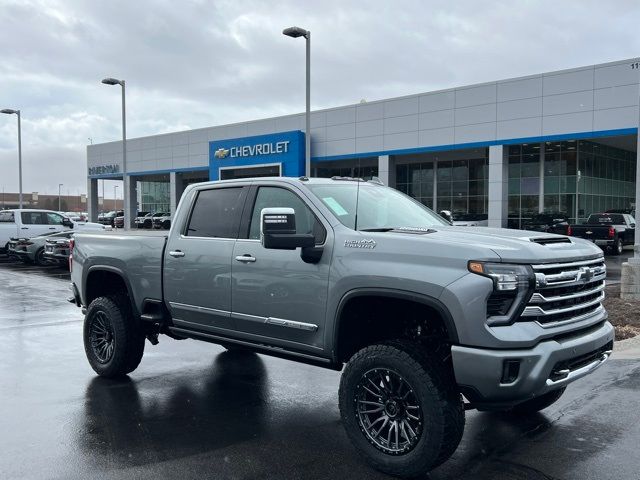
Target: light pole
x: 128, y: 216
x: 115, y: 198
x: 59, y: 187
x: 9, y: 111
x: 295, y: 32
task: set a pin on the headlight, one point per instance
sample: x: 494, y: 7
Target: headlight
x: 513, y: 286
x: 506, y: 277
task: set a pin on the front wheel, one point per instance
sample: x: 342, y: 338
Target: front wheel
x: 401, y: 408
x: 113, y: 339
x: 40, y: 258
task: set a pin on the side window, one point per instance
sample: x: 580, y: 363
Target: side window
x: 6, y: 217
x: 306, y: 221
x: 34, y: 218
x: 217, y: 213
x: 54, y: 219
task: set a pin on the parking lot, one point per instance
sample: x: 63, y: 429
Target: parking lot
x: 193, y: 410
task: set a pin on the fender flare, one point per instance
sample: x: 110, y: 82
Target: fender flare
x: 426, y: 300
x: 117, y: 271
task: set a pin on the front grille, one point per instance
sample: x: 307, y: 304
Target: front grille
x: 566, y: 292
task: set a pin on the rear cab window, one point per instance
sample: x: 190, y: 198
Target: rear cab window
x: 216, y: 213
x: 606, y: 219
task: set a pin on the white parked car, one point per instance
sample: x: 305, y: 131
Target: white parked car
x: 27, y: 223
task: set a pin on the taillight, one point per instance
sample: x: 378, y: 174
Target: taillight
x: 612, y: 232
x: 569, y: 230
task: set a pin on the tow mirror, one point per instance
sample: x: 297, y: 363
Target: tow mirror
x: 67, y: 223
x: 278, y: 230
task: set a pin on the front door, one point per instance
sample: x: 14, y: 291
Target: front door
x: 275, y: 294
x: 197, y: 268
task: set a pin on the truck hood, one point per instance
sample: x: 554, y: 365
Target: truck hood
x: 517, y: 246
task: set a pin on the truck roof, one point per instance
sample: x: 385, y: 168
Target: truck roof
x: 294, y: 180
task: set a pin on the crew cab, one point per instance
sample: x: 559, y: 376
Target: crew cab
x: 421, y: 316
x: 610, y: 231
x: 27, y: 223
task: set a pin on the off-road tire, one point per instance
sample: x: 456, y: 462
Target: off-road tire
x: 127, y: 334
x: 435, y: 388
x: 538, y: 403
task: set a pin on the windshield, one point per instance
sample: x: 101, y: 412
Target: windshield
x: 379, y: 208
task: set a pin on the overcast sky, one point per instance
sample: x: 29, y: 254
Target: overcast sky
x: 191, y: 64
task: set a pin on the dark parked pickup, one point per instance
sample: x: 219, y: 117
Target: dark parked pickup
x: 554, y: 222
x: 610, y: 231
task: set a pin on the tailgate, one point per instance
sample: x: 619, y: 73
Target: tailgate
x: 591, y: 232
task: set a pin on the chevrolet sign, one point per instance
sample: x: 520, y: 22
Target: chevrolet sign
x: 283, y: 149
x: 253, y: 150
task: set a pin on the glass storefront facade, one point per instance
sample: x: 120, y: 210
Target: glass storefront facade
x: 458, y: 185
x: 551, y: 177
x: 365, y: 168
x: 154, y: 196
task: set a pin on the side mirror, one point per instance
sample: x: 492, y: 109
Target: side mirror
x: 67, y: 223
x: 278, y: 230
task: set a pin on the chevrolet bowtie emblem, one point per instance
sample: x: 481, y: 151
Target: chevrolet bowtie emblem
x: 221, y: 153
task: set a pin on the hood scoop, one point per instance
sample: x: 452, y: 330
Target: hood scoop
x: 550, y: 240
x: 414, y: 230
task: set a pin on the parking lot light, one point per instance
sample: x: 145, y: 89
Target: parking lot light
x: 296, y: 32
x: 10, y: 111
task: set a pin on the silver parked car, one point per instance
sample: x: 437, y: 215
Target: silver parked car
x: 32, y: 250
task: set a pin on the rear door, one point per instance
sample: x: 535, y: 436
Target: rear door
x: 630, y: 231
x: 197, y: 263
x: 34, y: 223
x: 277, y: 297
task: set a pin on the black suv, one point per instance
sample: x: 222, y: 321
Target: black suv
x: 553, y: 222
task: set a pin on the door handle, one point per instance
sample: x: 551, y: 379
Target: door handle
x: 24, y: 228
x: 176, y: 253
x: 246, y: 258
x: 52, y: 228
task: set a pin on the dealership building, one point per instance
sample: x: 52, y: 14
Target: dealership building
x: 564, y: 141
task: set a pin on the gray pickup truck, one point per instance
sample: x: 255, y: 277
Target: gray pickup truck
x: 427, y: 319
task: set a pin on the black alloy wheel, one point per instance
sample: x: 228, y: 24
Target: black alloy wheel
x: 388, y: 410
x: 103, y: 341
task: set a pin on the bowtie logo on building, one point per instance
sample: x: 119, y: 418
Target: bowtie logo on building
x: 221, y: 153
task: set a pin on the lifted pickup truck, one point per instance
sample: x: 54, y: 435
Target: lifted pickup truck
x: 345, y: 273
x: 611, y: 231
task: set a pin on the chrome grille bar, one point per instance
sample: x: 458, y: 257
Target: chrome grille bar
x: 539, y: 298
x: 536, y: 310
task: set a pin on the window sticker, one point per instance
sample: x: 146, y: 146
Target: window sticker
x: 333, y: 204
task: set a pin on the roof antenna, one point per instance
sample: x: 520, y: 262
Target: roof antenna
x: 355, y: 227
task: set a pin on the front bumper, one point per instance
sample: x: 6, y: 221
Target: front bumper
x: 551, y: 364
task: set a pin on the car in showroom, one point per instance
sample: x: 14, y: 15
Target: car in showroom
x: 27, y: 223
x: 32, y: 250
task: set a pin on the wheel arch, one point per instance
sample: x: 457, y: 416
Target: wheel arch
x: 393, y: 294
x: 111, y: 276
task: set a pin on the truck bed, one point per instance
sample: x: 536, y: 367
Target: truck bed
x: 135, y: 254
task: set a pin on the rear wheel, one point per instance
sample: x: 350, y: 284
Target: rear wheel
x: 401, y: 408
x: 618, y: 247
x: 40, y: 257
x: 113, y: 339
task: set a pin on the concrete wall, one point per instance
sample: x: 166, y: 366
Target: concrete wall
x: 581, y: 100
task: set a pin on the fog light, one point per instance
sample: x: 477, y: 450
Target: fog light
x: 510, y: 371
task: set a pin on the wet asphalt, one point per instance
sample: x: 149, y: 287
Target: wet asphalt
x: 194, y: 411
